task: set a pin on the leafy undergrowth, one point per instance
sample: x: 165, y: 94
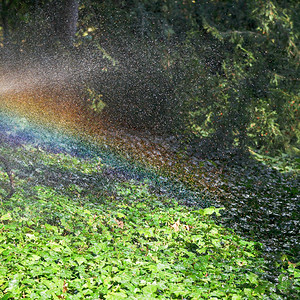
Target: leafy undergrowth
x: 76, y: 230
x: 263, y: 204
x: 284, y: 162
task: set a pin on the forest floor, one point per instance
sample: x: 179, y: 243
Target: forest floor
x: 132, y: 217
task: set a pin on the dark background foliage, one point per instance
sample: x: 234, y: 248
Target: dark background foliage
x: 219, y: 74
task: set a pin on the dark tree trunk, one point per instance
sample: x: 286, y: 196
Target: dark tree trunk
x: 65, y: 20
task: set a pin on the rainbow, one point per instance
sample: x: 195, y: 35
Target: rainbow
x: 54, y: 120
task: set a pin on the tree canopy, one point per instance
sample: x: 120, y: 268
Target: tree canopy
x: 223, y: 72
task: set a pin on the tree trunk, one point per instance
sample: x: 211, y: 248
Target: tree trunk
x: 65, y: 20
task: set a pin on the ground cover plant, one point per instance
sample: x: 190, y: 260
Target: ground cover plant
x: 139, y: 135
x: 71, y: 231
x: 263, y: 204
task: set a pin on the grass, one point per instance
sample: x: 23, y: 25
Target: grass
x: 74, y: 229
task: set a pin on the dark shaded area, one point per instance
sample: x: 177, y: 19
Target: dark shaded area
x: 224, y: 72
x: 262, y: 204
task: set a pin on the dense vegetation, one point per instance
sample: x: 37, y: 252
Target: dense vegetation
x: 85, y: 223
x: 223, y: 72
x: 73, y: 231
x: 186, y: 117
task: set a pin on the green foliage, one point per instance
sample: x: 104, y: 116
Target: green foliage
x: 282, y: 163
x: 203, y: 69
x: 72, y: 241
x: 249, y: 95
x: 119, y: 251
x: 95, y: 100
x: 222, y: 65
x: 264, y: 130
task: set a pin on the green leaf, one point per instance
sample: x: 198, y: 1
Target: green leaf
x: 252, y: 278
x: 117, y: 296
x: 6, y: 217
x: 7, y: 296
x: 209, y: 211
x: 149, y: 289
